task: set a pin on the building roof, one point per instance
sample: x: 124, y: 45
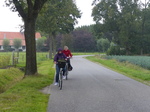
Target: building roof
x: 12, y: 35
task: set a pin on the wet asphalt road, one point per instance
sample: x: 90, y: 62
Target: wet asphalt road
x: 93, y: 88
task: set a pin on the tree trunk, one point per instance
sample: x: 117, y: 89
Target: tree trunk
x: 141, y: 51
x: 54, y: 42
x: 31, y: 65
x: 50, y: 46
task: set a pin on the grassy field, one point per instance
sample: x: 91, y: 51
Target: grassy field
x: 142, y: 61
x: 128, y: 69
x: 24, y: 96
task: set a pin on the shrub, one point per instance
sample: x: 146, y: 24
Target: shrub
x: 115, y: 50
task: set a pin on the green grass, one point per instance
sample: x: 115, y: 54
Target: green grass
x: 41, y: 56
x: 142, y: 61
x: 9, y: 77
x: 25, y: 95
x: 128, y: 69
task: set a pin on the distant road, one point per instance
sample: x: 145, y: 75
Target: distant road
x: 93, y: 88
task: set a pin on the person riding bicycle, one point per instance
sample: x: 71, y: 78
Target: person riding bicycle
x: 58, y: 57
x: 67, y: 52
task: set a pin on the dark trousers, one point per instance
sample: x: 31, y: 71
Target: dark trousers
x: 57, y: 72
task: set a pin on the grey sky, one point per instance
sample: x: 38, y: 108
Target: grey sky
x: 9, y: 21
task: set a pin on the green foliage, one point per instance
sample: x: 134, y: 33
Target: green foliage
x: 4, y: 61
x: 115, y: 50
x: 67, y: 39
x: 40, y: 43
x: 6, y: 43
x: 123, y: 22
x: 17, y: 43
x: 103, y: 44
x: 25, y: 95
x: 55, y: 17
x: 142, y: 61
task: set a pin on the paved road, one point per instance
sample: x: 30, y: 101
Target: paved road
x: 93, y: 88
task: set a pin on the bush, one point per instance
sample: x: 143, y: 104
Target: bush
x: 115, y: 50
x: 4, y: 61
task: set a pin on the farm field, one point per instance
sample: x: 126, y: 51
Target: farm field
x: 41, y: 56
x: 142, y: 61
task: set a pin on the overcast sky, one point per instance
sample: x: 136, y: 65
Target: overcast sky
x: 9, y: 21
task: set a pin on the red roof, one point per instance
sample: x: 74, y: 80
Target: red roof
x: 12, y: 35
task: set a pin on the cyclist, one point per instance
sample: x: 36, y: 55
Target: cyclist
x: 67, y: 52
x: 59, y: 56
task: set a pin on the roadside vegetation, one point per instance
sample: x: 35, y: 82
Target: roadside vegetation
x: 24, y: 94
x: 131, y: 70
x: 142, y: 61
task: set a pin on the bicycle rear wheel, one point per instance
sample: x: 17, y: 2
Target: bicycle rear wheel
x: 66, y: 72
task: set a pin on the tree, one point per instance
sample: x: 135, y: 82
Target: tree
x: 28, y: 10
x: 103, y: 44
x: 40, y: 43
x: 6, y: 43
x: 124, y: 22
x: 17, y: 43
x: 83, y: 41
x: 67, y: 40
x: 56, y: 18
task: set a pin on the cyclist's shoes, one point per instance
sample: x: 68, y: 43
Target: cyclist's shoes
x: 64, y: 77
x: 56, y: 83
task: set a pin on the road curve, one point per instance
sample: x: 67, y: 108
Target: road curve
x: 93, y: 88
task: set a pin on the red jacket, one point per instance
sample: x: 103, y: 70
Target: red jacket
x: 67, y: 53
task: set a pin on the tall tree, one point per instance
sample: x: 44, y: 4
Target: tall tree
x: 57, y: 18
x: 128, y: 23
x: 83, y: 41
x: 28, y: 10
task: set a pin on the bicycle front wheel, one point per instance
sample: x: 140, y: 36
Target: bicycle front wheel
x: 60, y: 80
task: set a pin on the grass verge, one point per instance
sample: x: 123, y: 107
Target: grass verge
x: 25, y: 95
x: 125, y: 68
x: 9, y: 77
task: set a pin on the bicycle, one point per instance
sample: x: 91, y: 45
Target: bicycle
x: 61, y: 65
x: 66, y: 70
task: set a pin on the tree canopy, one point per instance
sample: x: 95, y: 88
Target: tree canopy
x: 124, y: 22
